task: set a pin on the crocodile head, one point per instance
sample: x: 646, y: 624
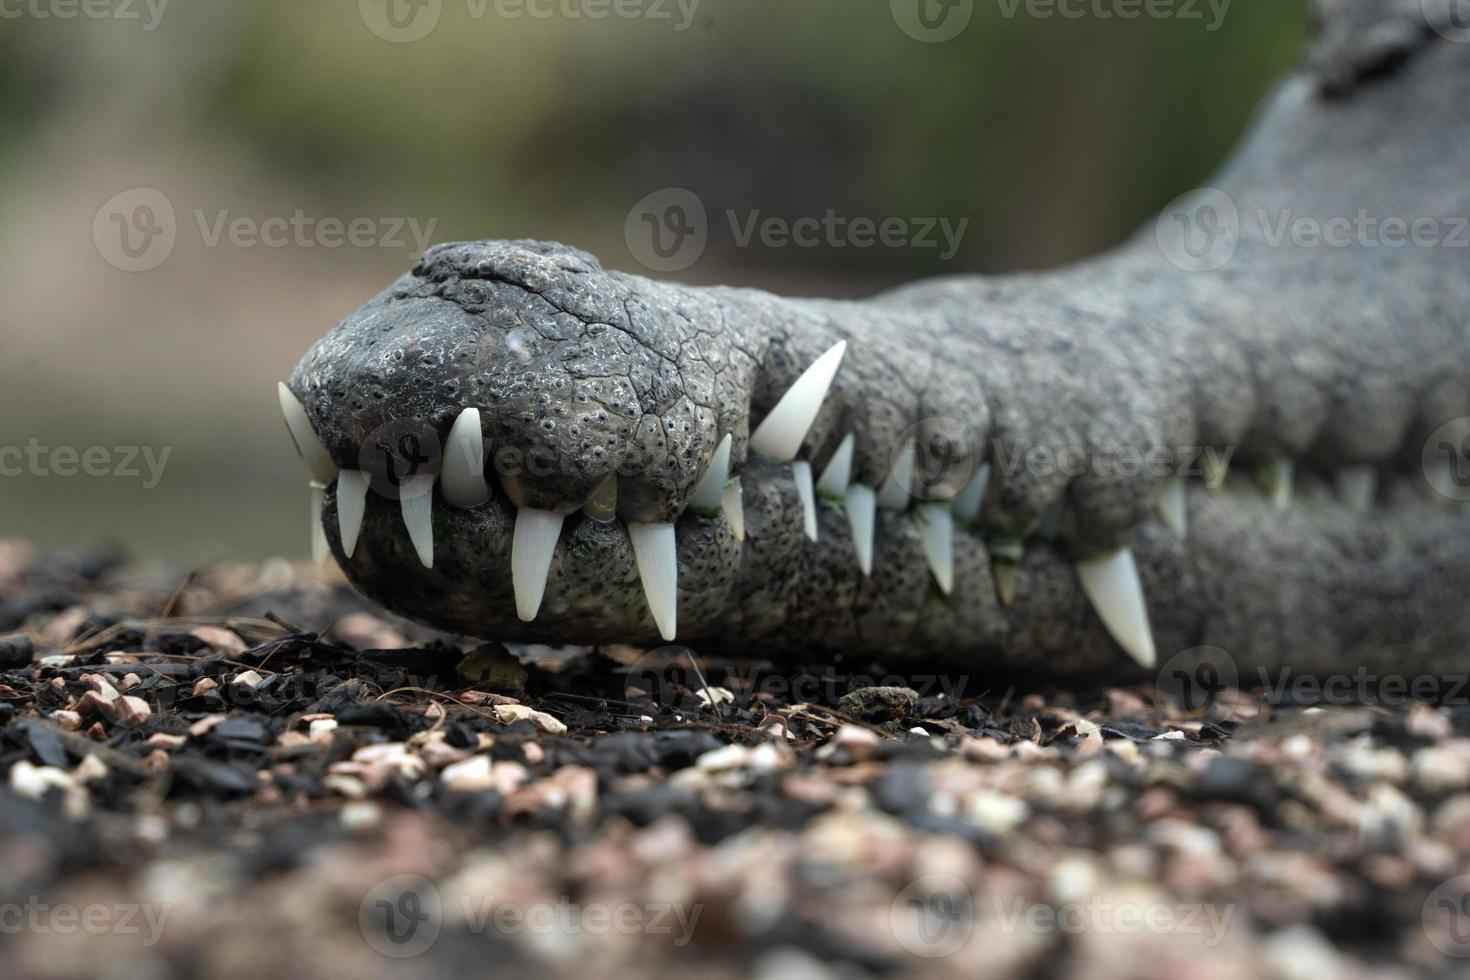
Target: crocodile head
x: 1214, y: 434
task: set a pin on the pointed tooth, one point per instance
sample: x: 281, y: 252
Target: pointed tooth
x: 1280, y: 478
x: 838, y: 472
x: 352, y: 488
x: 801, y: 471
x: 936, y: 533
x: 602, y: 506
x: 967, y: 502
x: 1215, y: 470
x: 656, y: 551
x: 319, y: 547
x: 1005, y: 583
x: 1358, y: 486
x: 318, y: 463
x: 862, y: 505
x: 733, y: 504
x: 416, y: 500
x: 894, y: 494
x: 710, y: 490
x: 531, y: 549
x: 462, y: 482
x: 1112, y: 586
x: 1006, y: 553
x: 780, y: 434
x: 1172, y: 509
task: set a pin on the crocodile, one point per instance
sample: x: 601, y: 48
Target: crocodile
x: 1241, y: 429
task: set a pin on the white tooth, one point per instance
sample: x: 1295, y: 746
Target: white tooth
x: 838, y: 473
x: 894, y: 493
x: 1280, y: 475
x: 656, y: 552
x: 1171, y: 507
x: 462, y: 483
x: 936, y: 533
x: 416, y: 500
x: 1358, y: 486
x: 531, y: 548
x: 1112, y: 586
x: 308, y: 446
x: 1005, y: 558
x: 352, y: 488
x: 710, y: 490
x: 801, y: 471
x: 862, y: 504
x: 780, y: 434
x: 602, y: 506
x: 733, y: 504
x: 967, y: 502
x: 319, y: 547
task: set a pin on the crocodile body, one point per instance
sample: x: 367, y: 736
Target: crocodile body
x: 1319, y: 372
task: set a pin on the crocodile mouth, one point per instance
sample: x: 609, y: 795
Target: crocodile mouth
x: 1067, y: 470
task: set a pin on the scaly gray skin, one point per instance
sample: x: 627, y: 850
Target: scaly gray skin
x: 1326, y: 356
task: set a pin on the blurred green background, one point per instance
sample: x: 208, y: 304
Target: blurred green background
x: 1055, y: 137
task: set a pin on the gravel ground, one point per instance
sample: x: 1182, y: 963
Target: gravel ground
x: 248, y: 771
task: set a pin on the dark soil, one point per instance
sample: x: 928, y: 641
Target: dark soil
x: 252, y: 772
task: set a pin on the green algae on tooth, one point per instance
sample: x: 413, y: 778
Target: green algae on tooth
x: 781, y: 432
x: 709, y: 493
x: 733, y: 505
x: 602, y: 506
x: 533, y: 544
x: 1006, y: 552
x: 801, y: 472
x: 462, y: 481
